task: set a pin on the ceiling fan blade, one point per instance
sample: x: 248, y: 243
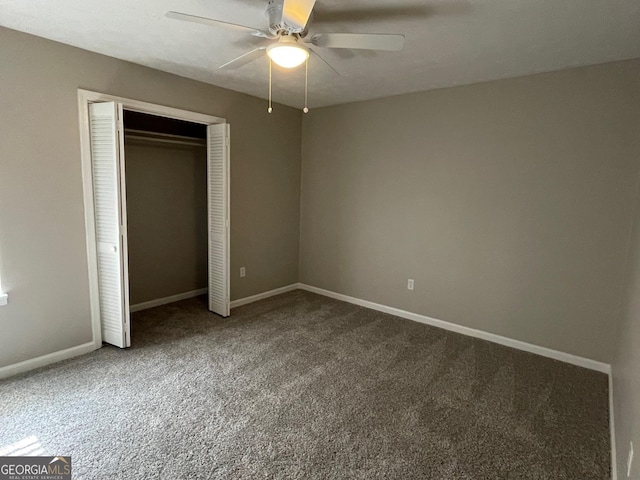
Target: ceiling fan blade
x: 373, y: 14
x: 363, y: 41
x: 316, y: 54
x: 296, y: 13
x: 185, y: 17
x: 243, y: 59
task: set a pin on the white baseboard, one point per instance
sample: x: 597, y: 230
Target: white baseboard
x: 163, y: 301
x: 54, y: 357
x: 262, y: 296
x: 472, y: 332
x: 612, y: 429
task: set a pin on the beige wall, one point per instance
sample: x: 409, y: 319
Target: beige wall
x: 626, y: 366
x: 43, y: 260
x: 167, y: 218
x: 508, y: 202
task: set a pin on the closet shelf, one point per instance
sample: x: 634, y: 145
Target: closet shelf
x: 163, y: 138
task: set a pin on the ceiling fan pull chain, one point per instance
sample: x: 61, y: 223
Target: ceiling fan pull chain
x: 270, y: 67
x: 306, y: 87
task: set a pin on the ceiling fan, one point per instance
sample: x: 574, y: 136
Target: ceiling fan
x: 289, y: 42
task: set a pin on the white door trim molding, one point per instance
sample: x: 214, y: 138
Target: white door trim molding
x: 85, y: 97
x: 471, y: 332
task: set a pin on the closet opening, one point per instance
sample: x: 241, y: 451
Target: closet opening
x: 166, y: 201
x: 156, y: 198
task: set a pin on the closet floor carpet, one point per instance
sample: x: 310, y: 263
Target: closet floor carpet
x: 305, y: 387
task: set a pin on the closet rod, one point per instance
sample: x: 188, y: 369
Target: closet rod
x: 163, y: 138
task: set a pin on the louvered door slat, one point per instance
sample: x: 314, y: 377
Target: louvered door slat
x: 218, y: 195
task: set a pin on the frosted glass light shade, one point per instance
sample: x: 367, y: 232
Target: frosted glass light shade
x: 287, y: 52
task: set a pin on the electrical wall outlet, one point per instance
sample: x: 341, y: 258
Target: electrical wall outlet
x: 410, y: 284
x: 243, y: 272
x: 630, y: 459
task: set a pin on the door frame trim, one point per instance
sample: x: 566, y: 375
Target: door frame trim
x: 85, y: 97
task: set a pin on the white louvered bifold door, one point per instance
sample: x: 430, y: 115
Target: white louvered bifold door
x: 110, y: 219
x: 218, y: 194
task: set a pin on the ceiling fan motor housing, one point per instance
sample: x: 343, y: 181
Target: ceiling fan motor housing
x: 276, y: 25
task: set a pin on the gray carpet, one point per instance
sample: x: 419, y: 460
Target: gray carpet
x: 302, y: 386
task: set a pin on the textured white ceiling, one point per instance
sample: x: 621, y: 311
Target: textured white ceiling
x: 448, y: 42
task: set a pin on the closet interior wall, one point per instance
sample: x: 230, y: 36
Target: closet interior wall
x: 166, y: 183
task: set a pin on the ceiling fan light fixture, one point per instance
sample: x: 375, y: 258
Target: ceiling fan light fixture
x: 287, y: 52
